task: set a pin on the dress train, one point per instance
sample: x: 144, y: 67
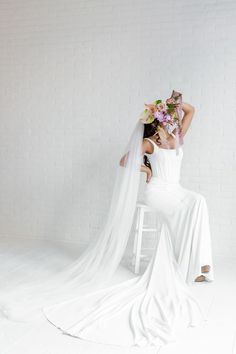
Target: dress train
x: 142, y: 311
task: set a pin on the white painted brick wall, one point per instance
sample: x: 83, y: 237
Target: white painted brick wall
x: 74, y: 78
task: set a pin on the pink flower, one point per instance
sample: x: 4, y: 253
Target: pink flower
x: 151, y: 107
x: 161, y: 106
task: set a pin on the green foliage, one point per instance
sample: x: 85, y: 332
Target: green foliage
x: 150, y: 119
x: 170, y: 108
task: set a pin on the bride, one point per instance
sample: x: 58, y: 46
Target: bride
x: 147, y: 309
x: 184, y: 211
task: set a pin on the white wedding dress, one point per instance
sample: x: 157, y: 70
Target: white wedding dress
x: 184, y: 211
x: 149, y: 308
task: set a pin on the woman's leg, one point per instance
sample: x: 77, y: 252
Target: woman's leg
x: 191, y: 237
x: 186, y: 215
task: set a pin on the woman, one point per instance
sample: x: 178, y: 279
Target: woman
x: 184, y: 211
x: 147, y: 309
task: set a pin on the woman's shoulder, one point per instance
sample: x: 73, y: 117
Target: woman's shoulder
x: 148, y: 146
x: 152, y: 146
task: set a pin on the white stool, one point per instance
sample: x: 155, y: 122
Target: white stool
x: 140, y: 228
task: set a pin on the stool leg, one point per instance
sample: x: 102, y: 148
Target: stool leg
x: 139, y: 242
x: 136, y: 231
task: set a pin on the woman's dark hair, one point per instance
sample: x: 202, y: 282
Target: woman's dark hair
x: 149, y: 130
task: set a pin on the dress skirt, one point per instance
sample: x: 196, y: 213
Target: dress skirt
x: 186, y: 216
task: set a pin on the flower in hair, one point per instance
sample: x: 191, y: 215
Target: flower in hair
x: 166, y: 113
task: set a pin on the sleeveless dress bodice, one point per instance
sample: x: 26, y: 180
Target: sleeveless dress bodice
x: 165, y: 163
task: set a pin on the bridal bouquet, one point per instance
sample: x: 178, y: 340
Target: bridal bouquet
x: 167, y: 113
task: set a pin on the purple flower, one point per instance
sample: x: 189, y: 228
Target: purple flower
x: 156, y: 115
x: 162, y: 116
x: 167, y: 117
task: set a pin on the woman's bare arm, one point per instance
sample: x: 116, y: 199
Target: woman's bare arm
x: 188, y: 116
x: 143, y: 168
x: 123, y: 159
x: 148, y: 171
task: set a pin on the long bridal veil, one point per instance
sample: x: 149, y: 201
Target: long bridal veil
x: 100, y: 259
x: 140, y: 311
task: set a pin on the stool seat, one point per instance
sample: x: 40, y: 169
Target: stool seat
x: 141, y: 208
x: 144, y: 206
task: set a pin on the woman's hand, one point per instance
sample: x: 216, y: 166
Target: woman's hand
x: 148, y: 171
x: 149, y: 175
x: 186, y: 107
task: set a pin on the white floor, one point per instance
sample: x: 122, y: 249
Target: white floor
x: 217, y: 335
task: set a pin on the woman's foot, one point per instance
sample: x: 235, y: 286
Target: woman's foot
x: 200, y: 278
x: 204, y: 269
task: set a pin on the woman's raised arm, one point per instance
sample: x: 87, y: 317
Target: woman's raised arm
x: 187, y: 118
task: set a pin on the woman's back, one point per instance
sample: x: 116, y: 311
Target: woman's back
x: 165, y: 163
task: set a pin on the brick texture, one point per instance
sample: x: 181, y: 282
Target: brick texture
x: 74, y: 78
